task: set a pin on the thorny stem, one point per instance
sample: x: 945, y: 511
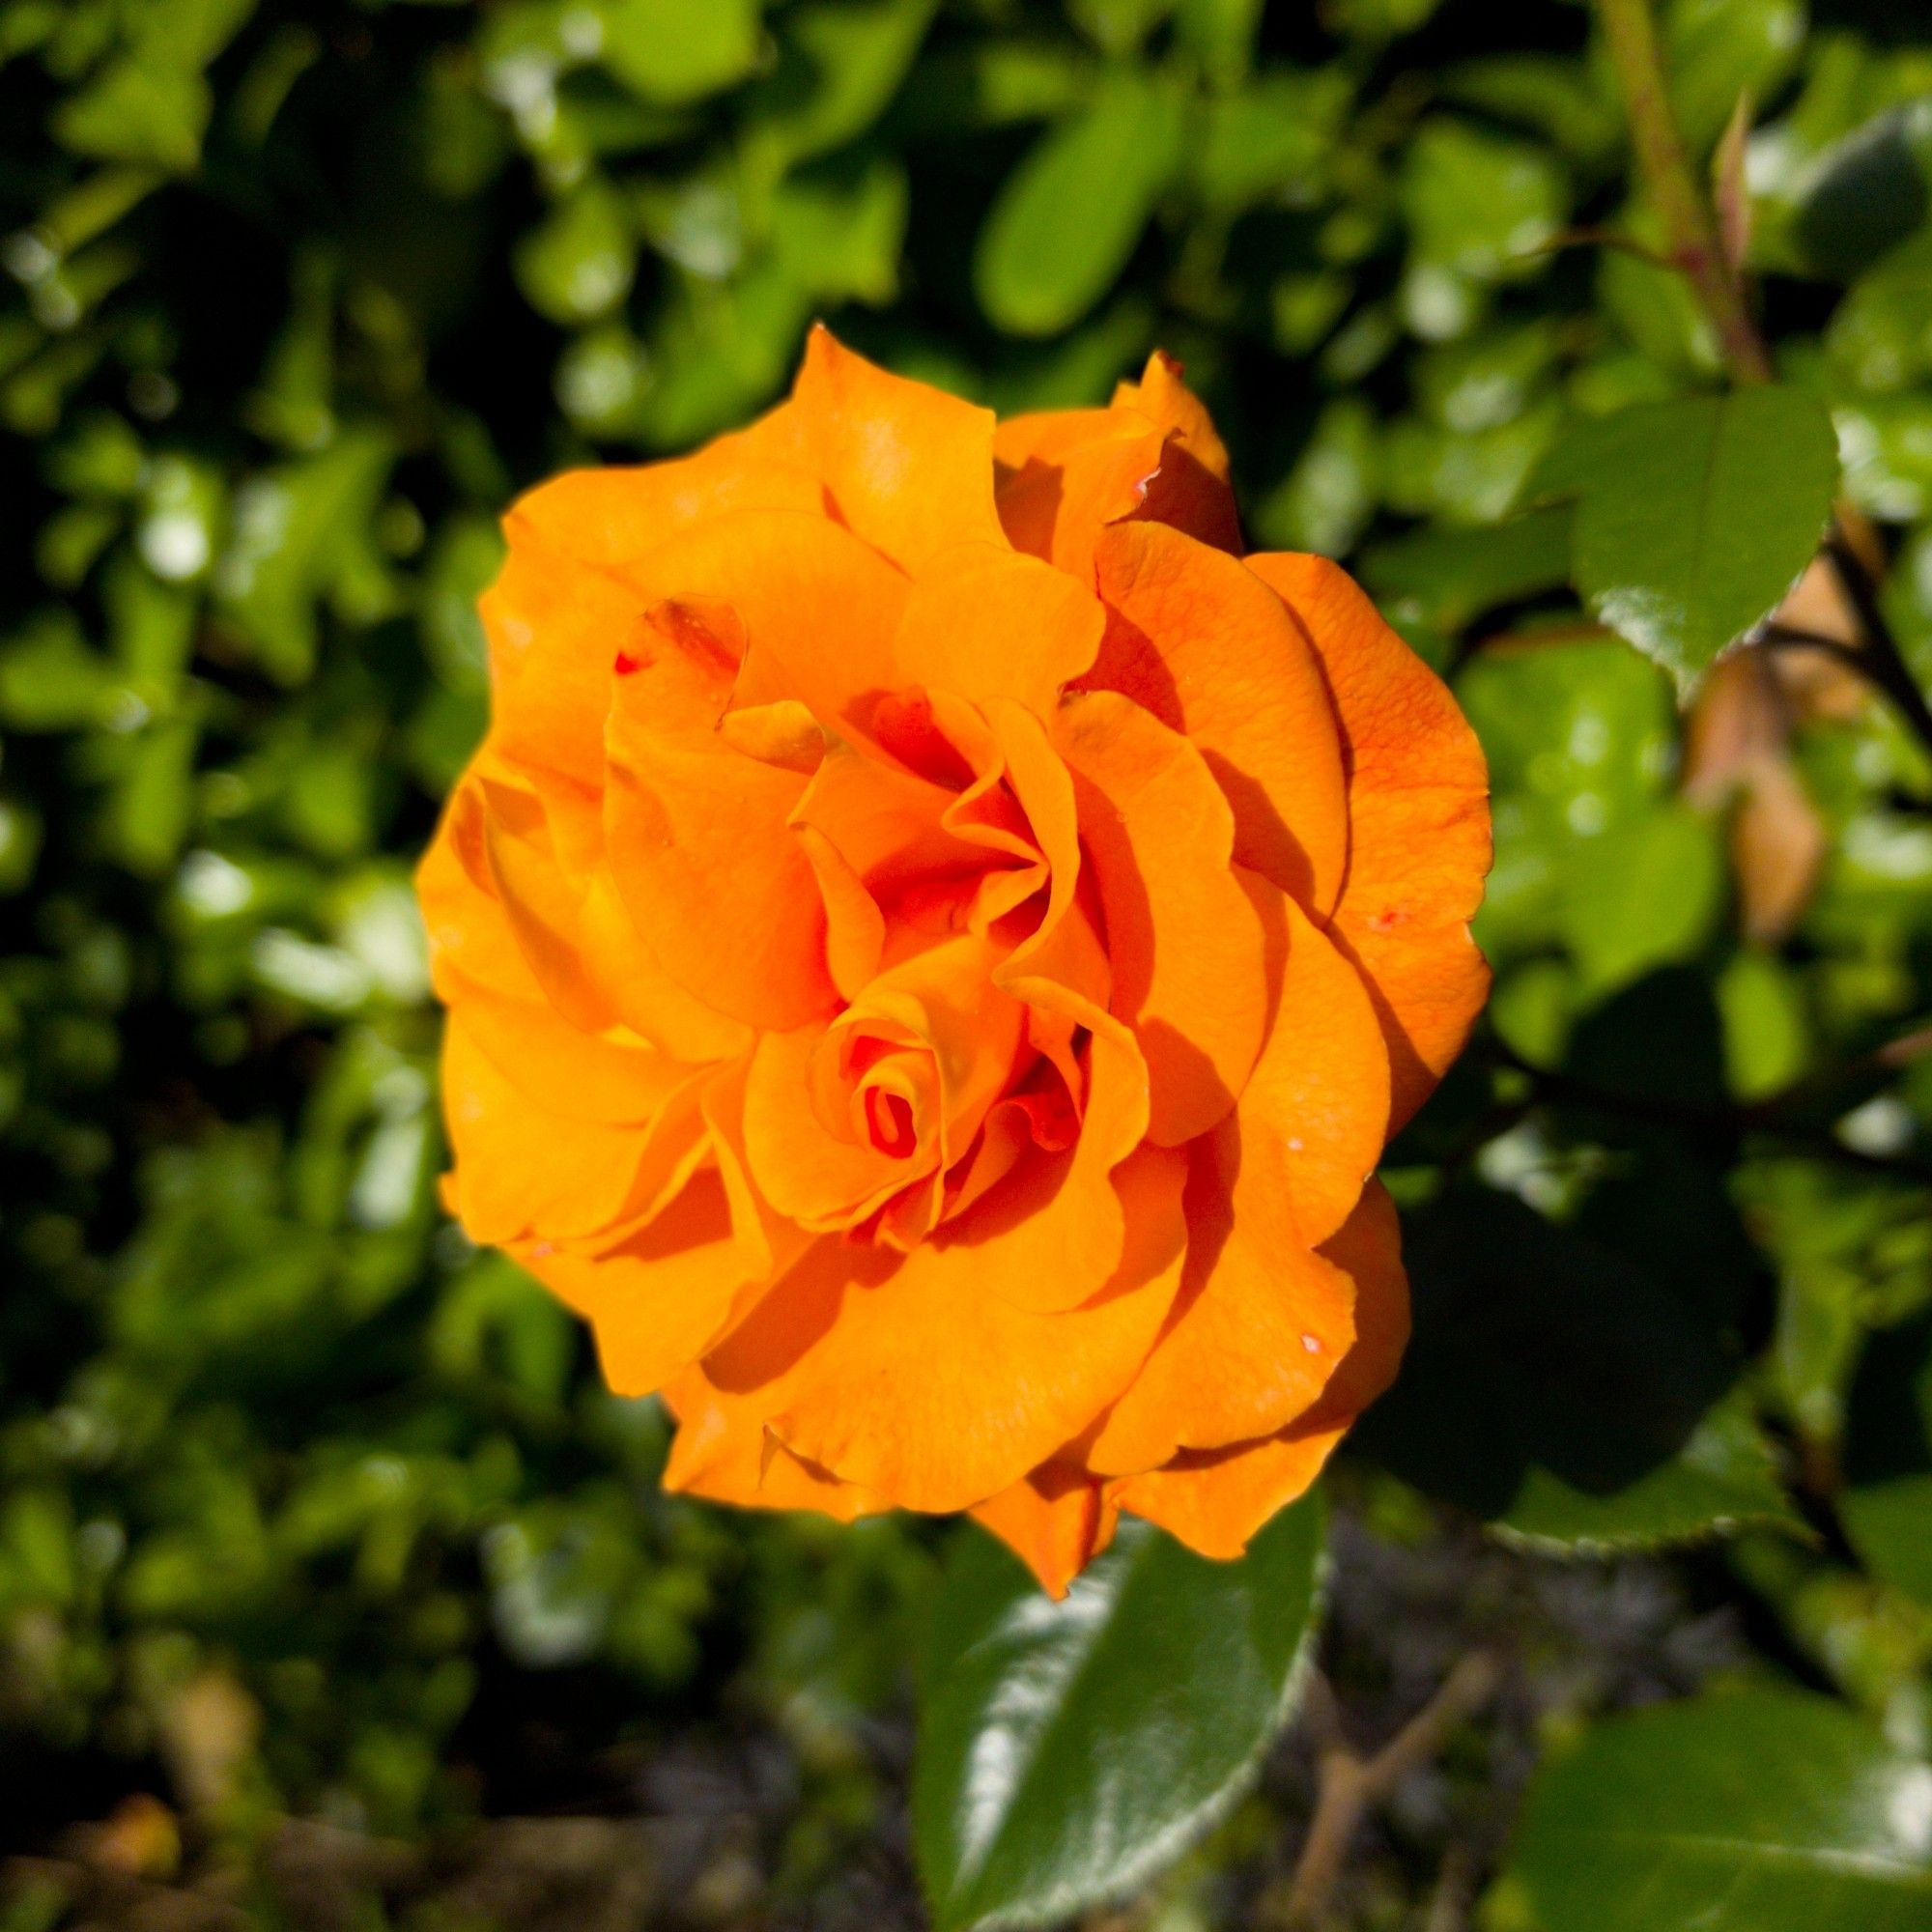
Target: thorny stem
x: 1349, y: 1786
x: 1691, y: 244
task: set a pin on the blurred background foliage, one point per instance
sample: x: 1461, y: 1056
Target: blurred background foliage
x: 319, y: 1543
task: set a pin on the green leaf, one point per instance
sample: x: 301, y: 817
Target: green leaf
x: 1641, y: 894
x: 1448, y: 577
x: 1723, y: 1479
x: 1477, y: 204
x: 138, y: 110
x: 840, y: 62
x: 301, y: 532
x: 1882, y: 333
x: 670, y: 52
x: 1694, y: 517
x: 1887, y: 1504
x: 580, y: 264
x: 1765, y: 1810
x: 1070, y: 215
x: 1614, y: 1435
x: 1718, y: 49
x: 1868, y: 191
x: 1068, y: 1751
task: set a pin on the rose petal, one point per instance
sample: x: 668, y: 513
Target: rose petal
x: 1186, y: 942
x: 1056, y: 1522
x: 712, y: 1456
x: 698, y: 845
x: 1214, y: 1500
x: 1198, y: 641
x: 1419, y: 820
x: 1316, y: 1108
x: 531, y: 1173
x: 988, y: 623
x: 905, y: 1376
x: 1259, y: 1326
x: 909, y: 467
x: 658, y: 1300
x: 1191, y: 491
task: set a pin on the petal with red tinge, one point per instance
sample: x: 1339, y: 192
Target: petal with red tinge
x: 699, y: 843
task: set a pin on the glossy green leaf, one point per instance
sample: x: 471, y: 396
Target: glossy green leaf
x: 1069, y: 216
x: 1694, y: 517
x: 1757, y: 1811
x: 1068, y: 1751
x: 1886, y: 1503
x: 1613, y: 1433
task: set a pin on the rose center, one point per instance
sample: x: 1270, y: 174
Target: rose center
x: 888, y: 1123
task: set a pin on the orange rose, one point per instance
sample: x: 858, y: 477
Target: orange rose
x: 935, y: 943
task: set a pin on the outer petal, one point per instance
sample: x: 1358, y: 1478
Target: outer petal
x: 990, y: 623
x: 714, y: 1454
x: 1215, y: 1500
x: 471, y: 942
x: 644, y: 995
x: 908, y: 1377
x: 698, y: 845
x: 1056, y: 1523
x: 1191, y: 491
x: 1064, y: 477
x: 1188, y: 944
x: 909, y: 467
x: 552, y: 627
x: 658, y: 1300
x: 1419, y: 823
x: 1259, y: 1326
x: 525, y: 1173
x: 1152, y: 457
x: 1212, y: 654
x: 513, y: 929
x: 1315, y: 1111
x: 611, y: 519
x: 1164, y: 398
x: 818, y: 609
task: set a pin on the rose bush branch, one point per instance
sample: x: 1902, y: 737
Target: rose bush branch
x: 1351, y: 1785
x: 1693, y: 246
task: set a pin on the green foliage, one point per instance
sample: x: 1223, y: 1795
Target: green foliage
x: 1069, y: 1750
x: 1667, y: 1817
x: 1695, y: 518
x: 298, y: 293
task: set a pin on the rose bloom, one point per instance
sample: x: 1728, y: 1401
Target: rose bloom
x: 936, y: 940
